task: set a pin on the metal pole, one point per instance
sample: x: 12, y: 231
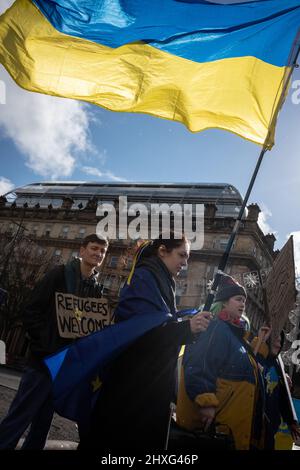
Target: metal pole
x: 224, y: 259
x: 287, y: 389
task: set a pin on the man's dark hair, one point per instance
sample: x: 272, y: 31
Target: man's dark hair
x: 93, y: 238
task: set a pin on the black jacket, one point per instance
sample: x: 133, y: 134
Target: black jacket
x: 133, y: 408
x: 39, y: 315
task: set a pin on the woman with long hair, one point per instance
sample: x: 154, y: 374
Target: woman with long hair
x: 133, y: 408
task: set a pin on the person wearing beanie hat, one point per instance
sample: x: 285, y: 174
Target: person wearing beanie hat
x: 220, y: 378
x: 228, y: 287
x: 230, y: 302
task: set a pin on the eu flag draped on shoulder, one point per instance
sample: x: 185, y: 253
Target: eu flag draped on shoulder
x: 203, y: 64
x: 78, y: 370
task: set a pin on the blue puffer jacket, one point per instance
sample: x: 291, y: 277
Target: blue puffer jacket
x: 219, y: 370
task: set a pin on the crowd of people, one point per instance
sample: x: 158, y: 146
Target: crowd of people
x: 225, y: 380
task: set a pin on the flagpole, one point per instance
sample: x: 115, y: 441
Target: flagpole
x: 225, y: 256
x: 223, y: 262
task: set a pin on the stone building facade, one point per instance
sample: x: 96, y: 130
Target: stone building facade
x: 57, y: 215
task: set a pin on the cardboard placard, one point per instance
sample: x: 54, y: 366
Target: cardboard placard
x: 280, y: 288
x: 78, y: 316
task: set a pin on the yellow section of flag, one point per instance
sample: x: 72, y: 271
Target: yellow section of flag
x: 234, y: 94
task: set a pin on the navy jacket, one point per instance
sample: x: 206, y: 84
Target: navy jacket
x: 133, y: 408
x: 219, y: 371
x: 277, y: 402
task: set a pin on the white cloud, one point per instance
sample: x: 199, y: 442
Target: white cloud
x: 5, y: 185
x: 5, y: 4
x: 263, y: 222
x: 89, y: 170
x: 296, y: 237
x: 50, y: 132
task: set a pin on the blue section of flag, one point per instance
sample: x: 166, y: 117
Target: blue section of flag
x: 55, y: 362
x: 75, y: 370
x: 296, y: 402
x: 188, y: 311
x: 199, y: 31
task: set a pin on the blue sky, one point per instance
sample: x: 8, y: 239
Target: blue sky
x: 44, y: 138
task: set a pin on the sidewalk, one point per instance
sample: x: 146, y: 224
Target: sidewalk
x: 55, y: 445
x: 9, y: 378
x: 63, y: 433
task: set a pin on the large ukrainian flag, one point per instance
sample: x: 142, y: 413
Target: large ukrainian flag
x: 204, y: 64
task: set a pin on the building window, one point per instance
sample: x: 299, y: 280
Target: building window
x: 223, y: 243
x: 35, y: 230
x: 82, y: 232
x: 113, y: 262
x: 128, y: 260
x: 211, y: 271
x: 47, y: 231
x: 228, y: 270
x: 74, y: 254
x: 210, y: 275
x: 108, y: 281
x: 181, y: 289
x: 183, y: 272
x: 65, y: 232
x: 122, y: 283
